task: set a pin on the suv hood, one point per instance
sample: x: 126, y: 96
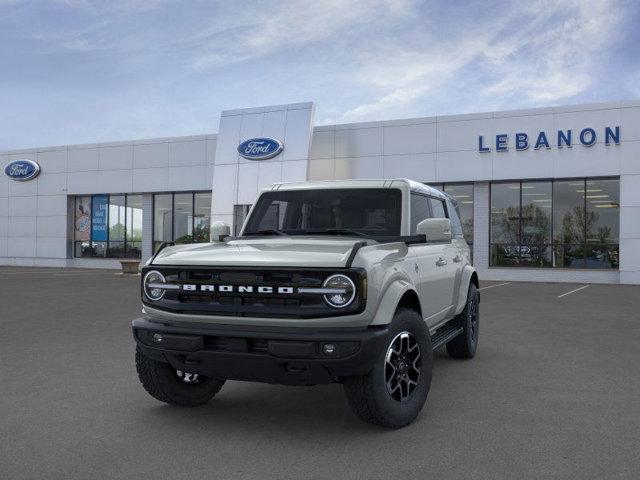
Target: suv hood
x: 262, y: 252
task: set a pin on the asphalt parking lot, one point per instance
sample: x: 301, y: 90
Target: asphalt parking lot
x: 554, y: 392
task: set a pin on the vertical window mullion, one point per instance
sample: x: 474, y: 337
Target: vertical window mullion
x: 91, y: 226
x: 584, y: 240
x: 173, y: 217
x: 193, y: 217
x: 553, y: 251
x: 520, y: 225
x: 125, y: 226
x: 108, y: 219
x: 153, y: 223
x: 490, y: 220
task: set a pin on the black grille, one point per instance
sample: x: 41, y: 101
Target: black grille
x: 255, y: 304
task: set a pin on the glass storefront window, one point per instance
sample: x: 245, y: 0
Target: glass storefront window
x: 535, y: 243
x: 162, y: 219
x: 505, y: 224
x: 568, y: 256
x: 183, y: 217
x: 82, y: 226
x: 569, y: 223
x: 603, y: 211
x: 201, y: 217
x: 134, y: 226
x: 568, y: 212
x: 108, y: 226
x: 99, y: 225
x: 603, y: 223
x: 117, y: 220
x: 562, y: 224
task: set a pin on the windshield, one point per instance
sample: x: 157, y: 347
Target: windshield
x: 358, y: 211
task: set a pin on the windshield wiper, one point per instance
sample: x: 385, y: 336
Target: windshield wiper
x: 266, y: 232
x: 336, y: 231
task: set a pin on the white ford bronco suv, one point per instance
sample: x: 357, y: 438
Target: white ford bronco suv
x: 347, y: 281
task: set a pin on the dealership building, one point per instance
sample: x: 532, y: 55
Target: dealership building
x: 547, y: 194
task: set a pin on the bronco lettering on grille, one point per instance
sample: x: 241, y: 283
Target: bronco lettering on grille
x: 189, y: 287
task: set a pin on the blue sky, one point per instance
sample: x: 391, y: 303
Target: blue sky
x: 77, y: 71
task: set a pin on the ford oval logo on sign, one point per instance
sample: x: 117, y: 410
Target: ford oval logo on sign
x: 260, y: 148
x: 22, y: 170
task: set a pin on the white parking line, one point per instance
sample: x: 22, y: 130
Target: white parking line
x: 573, y: 291
x: 496, y: 285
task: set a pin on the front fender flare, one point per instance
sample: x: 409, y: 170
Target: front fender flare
x: 389, y: 302
x: 467, y: 273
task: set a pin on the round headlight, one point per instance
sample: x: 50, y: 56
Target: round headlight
x: 343, y: 291
x: 151, y: 289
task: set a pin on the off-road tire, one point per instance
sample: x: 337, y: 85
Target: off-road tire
x: 466, y: 344
x: 162, y: 383
x: 368, y: 396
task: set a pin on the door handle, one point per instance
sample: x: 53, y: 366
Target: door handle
x: 457, y: 259
x: 441, y: 262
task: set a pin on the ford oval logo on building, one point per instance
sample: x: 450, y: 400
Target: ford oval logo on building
x: 22, y: 170
x: 260, y: 148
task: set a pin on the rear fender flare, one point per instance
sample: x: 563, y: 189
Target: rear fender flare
x: 467, y: 273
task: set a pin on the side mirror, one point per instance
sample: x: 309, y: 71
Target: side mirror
x: 219, y: 231
x: 435, y: 229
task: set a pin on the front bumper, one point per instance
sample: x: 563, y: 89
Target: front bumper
x: 286, y: 356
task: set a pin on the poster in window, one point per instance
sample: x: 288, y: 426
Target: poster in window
x: 99, y: 218
x: 83, y: 219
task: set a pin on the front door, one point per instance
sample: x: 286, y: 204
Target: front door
x: 437, y: 275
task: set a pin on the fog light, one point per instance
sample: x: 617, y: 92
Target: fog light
x: 157, y: 338
x: 328, y: 348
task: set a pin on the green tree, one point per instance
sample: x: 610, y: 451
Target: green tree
x: 536, y: 235
x: 116, y: 232
x: 200, y: 235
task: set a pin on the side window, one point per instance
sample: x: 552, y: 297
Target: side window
x: 454, y: 216
x: 419, y: 210
x: 437, y: 207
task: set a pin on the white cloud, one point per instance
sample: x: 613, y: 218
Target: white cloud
x: 163, y: 67
x: 397, y: 98
x: 543, y: 52
x: 554, y: 63
x: 287, y: 25
x: 404, y: 77
x: 112, y: 6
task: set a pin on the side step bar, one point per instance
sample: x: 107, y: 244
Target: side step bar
x: 445, y: 334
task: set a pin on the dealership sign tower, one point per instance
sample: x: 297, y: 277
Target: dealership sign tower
x: 255, y: 148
